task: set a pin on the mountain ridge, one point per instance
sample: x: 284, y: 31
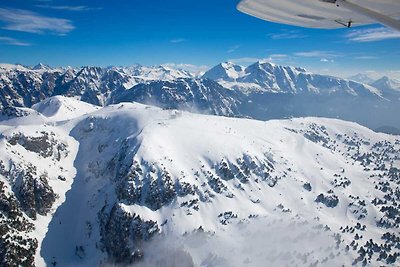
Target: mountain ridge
x: 261, y: 91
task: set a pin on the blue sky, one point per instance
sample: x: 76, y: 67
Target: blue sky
x: 188, y: 33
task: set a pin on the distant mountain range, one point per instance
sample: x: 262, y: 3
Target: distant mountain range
x: 271, y: 78
x: 262, y: 90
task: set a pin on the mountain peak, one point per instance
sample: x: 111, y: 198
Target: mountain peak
x: 265, y: 62
x: 228, y: 64
x: 228, y: 71
x: 261, y: 65
x: 41, y: 66
x: 384, y: 78
x: 387, y: 84
x: 362, y: 78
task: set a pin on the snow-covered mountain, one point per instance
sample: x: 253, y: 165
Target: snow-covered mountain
x: 271, y: 78
x: 387, y: 85
x: 25, y: 86
x: 390, y: 89
x: 362, y: 78
x: 162, y: 72
x: 261, y: 91
x: 40, y: 67
x: 131, y: 183
x: 196, y: 95
x: 226, y: 71
x: 271, y: 91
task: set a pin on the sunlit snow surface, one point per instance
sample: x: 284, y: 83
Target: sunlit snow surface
x: 255, y: 185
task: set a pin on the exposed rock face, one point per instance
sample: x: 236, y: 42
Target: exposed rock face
x: 307, y: 186
x: 198, y: 95
x: 25, y: 88
x: 16, y: 247
x: 330, y: 201
x: 123, y: 233
x: 151, y: 189
x: 34, y: 194
x: 27, y: 190
x: 31, y: 188
x: 11, y: 112
x: 44, y: 145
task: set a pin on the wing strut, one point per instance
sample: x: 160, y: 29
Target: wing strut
x: 348, y: 24
x: 385, y: 20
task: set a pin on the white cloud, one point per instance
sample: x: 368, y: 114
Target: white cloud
x: 366, y: 57
x: 327, y: 60
x: 12, y: 41
x: 319, y: 54
x: 270, y: 58
x: 372, y: 35
x: 28, y: 21
x: 287, y: 35
x: 233, y: 49
x: 278, y: 56
x: 247, y: 60
x: 70, y: 8
x: 179, y: 40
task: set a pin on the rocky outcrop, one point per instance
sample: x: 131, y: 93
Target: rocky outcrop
x: 330, y: 201
x: 123, y: 233
x: 16, y: 247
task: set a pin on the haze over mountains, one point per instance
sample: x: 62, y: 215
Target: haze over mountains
x: 83, y: 185
x: 261, y: 91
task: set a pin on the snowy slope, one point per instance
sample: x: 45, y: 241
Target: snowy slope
x: 59, y: 108
x: 150, y: 185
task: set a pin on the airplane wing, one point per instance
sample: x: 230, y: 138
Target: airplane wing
x: 325, y: 14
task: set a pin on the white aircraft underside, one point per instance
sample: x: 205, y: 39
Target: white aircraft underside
x: 325, y: 14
